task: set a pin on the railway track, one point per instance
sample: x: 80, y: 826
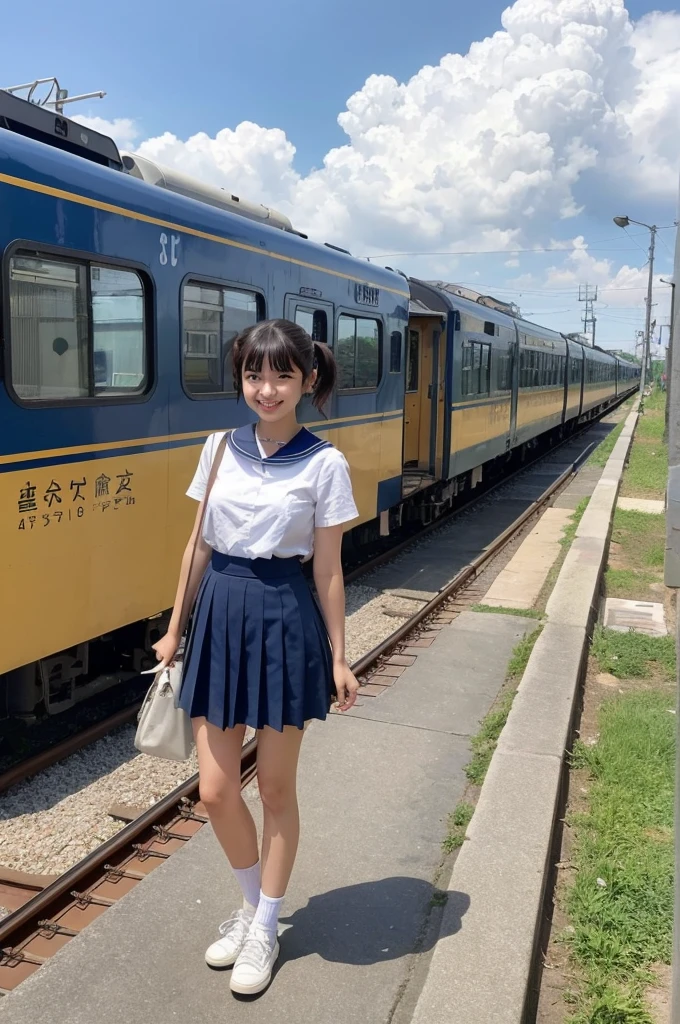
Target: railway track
x: 51, y: 911
x: 56, y: 752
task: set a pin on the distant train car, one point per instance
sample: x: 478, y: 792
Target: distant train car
x: 627, y: 376
x: 599, y: 383
x: 123, y: 288
x: 542, y: 370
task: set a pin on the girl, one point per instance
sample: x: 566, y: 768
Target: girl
x: 259, y: 653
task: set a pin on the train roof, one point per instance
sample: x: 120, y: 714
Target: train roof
x: 438, y: 300
x: 53, y: 129
x: 54, y: 168
x: 536, y: 331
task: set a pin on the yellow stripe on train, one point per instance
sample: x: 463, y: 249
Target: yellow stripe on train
x: 112, y: 531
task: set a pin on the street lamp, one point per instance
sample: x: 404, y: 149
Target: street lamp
x: 623, y: 222
x: 669, y: 357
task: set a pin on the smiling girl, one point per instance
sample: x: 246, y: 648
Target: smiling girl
x: 260, y: 653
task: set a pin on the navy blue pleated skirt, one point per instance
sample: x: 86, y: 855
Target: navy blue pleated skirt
x: 258, y: 652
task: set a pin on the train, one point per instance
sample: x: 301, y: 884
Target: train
x: 123, y: 287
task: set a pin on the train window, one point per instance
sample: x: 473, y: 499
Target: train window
x: 504, y: 364
x: 76, y: 330
x: 213, y: 316
x: 395, y: 351
x: 314, y: 321
x: 490, y: 328
x: 412, y: 361
x: 476, y: 368
x: 358, y: 352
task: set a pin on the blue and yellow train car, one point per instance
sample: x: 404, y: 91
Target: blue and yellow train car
x: 599, y: 380
x: 120, y: 303
x: 474, y: 386
x: 542, y: 370
x: 627, y: 376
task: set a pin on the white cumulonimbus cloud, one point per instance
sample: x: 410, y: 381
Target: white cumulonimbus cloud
x: 491, y: 149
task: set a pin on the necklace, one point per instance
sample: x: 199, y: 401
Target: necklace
x: 271, y: 440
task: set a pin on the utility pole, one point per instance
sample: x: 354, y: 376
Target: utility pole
x: 648, y: 312
x: 589, y: 296
x: 669, y: 359
x: 672, y: 579
x: 623, y: 222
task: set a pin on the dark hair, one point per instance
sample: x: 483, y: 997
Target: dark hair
x: 285, y: 345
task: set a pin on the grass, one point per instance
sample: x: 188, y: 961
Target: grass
x: 486, y: 740
x: 621, y: 902
x: 521, y: 654
x: 606, y: 447
x: 458, y: 823
x: 629, y: 583
x: 570, y: 529
x: 647, y: 470
x: 527, y: 613
x: 634, y: 655
x: 643, y: 535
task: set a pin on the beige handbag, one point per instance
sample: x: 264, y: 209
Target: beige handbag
x: 164, y: 730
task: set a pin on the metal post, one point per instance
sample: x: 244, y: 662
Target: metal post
x: 672, y: 577
x: 669, y: 363
x: 648, y: 314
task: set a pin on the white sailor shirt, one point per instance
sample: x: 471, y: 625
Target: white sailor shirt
x: 268, y: 506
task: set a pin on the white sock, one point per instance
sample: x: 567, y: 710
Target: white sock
x: 267, y: 914
x: 249, y: 880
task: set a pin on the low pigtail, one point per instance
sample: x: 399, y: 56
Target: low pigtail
x: 326, y: 373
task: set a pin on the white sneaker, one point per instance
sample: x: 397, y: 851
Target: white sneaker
x: 253, y: 968
x: 234, y: 932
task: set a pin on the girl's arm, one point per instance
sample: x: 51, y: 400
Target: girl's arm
x: 330, y: 587
x: 166, y: 647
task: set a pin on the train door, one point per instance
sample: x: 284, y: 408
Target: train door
x: 423, y: 403
x: 514, y: 383
x: 412, y: 399
x: 438, y: 382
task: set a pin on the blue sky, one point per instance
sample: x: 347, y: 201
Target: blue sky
x: 293, y: 65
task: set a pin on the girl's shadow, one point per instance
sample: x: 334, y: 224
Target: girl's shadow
x: 372, y: 921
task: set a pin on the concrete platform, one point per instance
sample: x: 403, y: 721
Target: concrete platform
x: 521, y: 581
x: 582, y: 486
x: 376, y: 788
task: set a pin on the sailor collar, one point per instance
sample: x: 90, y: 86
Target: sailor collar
x: 303, y: 445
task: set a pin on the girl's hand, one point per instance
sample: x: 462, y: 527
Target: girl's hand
x: 346, y: 686
x: 166, y: 649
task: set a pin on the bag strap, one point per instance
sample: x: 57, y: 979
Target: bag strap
x: 216, y: 462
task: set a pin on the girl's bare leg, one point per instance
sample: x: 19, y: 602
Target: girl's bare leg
x: 219, y: 765
x: 277, y: 761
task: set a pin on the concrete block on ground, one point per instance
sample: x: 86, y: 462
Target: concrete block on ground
x: 642, y: 616
x: 479, y: 972
x: 651, y: 506
x: 573, y: 596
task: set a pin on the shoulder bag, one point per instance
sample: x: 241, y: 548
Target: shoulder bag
x: 164, y: 730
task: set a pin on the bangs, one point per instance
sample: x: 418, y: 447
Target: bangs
x: 276, y: 347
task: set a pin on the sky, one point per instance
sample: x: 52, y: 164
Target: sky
x: 489, y: 147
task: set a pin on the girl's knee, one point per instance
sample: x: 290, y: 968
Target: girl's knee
x: 218, y: 792
x: 276, y: 795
